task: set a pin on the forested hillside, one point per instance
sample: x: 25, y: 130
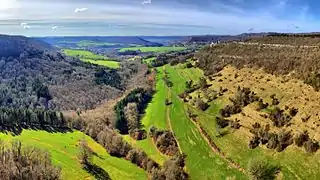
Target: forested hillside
x: 35, y: 75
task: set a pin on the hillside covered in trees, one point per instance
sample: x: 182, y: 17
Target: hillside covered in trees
x: 33, y: 74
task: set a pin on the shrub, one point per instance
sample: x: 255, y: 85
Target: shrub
x: 138, y: 134
x: 221, y: 122
x: 293, y: 112
x: 300, y: 139
x: 167, y: 102
x: 235, y: 124
x: 310, y: 146
x: 261, y: 105
x: 202, y: 105
x: 165, y: 141
x: 242, y: 98
x: 261, y: 170
x: 254, y: 142
x: 85, y: 153
x: 279, y: 118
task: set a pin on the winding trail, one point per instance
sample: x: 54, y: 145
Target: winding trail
x: 216, y: 149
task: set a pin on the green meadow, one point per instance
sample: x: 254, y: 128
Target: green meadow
x: 63, y: 148
x: 90, y: 57
x: 86, y: 43
x: 153, y: 49
x: 201, y: 160
x: 155, y: 116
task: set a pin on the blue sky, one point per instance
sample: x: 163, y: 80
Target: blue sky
x: 156, y: 17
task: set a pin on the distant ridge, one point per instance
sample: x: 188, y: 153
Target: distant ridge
x: 125, y: 40
x: 15, y: 45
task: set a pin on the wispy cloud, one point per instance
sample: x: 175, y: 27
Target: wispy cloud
x: 25, y: 25
x: 146, y: 2
x: 192, y: 17
x: 80, y: 10
x: 55, y: 28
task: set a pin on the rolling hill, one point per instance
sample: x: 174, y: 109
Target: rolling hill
x: 118, y: 41
x: 34, y: 74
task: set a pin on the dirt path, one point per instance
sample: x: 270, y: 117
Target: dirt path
x: 204, y: 135
x: 214, y: 147
x: 168, y: 116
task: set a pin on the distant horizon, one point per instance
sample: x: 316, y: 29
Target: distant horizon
x: 38, y: 18
x: 66, y: 36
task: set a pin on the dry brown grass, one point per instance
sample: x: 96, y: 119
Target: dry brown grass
x: 291, y: 93
x: 276, y: 55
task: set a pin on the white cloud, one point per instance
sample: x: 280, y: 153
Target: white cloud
x: 26, y: 27
x: 146, y: 2
x: 23, y: 24
x: 8, y: 4
x: 55, y: 28
x: 80, y: 10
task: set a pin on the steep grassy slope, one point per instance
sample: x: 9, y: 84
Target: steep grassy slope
x: 64, y: 148
x: 235, y: 143
x: 201, y: 160
x: 90, y: 57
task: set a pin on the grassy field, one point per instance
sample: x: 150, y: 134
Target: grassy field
x: 93, y: 43
x: 149, y: 60
x: 153, y: 49
x: 155, y: 116
x: 110, y: 64
x: 90, y: 57
x: 63, y: 148
x: 201, y: 160
x: 84, y: 54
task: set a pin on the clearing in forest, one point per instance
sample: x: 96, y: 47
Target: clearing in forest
x: 90, y: 57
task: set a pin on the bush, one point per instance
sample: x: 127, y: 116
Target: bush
x: 138, y: 134
x: 167, y: 102
x: 310, y: 146
x: 202, y: 105
x: 165, y: 141
x: 254, y: 142
x: 242, y: 98
x: 261, y: 105
x: 293, y: 112
x: 279, y: 118
x: 221, y: 122
x: 300, y: 139
x: 261, y: 170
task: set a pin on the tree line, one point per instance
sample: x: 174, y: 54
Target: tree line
x: 129, y: 110
x: 26, y: 162
x: 17, y: 119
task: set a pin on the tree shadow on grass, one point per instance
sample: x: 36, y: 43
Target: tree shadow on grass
x: 97, y: 172
x: 17, y: 130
